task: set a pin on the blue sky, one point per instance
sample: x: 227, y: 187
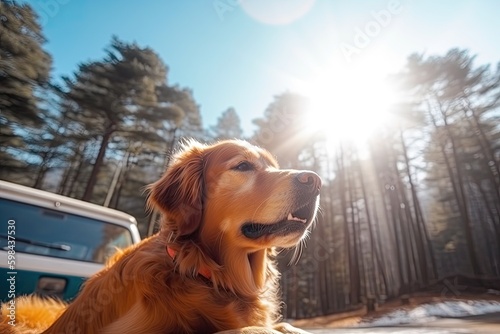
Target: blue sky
x: 241, y: 53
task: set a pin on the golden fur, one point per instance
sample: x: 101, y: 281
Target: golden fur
x: 225, y: 208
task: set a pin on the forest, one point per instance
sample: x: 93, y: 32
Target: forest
x: 418, y: 204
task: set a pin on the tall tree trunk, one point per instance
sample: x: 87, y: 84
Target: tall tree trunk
x: 491, y: 166
x: 76, y: 176
x: 385, y: 181
x: 491, y: 214
x: 460, y: 191
x: 87, y: 195
x: 72, y: 169
x: 486, y: 146
x: 40, y: 176
x: 374, y: 252
x: 48, y: 155
x: 381, y: 258
x: 356, y: 231
x: 423, y: 241
x: 350, y: 247
x: 122, y: 180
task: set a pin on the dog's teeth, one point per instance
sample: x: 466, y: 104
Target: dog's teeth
x: 290, y: 217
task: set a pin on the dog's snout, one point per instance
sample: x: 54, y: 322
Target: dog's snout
x: 309, y: 179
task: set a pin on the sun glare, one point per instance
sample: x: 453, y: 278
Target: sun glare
x: 349, y: 106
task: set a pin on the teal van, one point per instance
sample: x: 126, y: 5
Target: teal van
x: 50, y: 244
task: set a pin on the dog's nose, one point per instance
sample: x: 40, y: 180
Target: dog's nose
x: 309, y: 179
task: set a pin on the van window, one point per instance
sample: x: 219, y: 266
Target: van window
x: 53, y: 233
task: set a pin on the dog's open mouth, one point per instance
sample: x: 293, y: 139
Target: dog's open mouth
x: 295, y: 222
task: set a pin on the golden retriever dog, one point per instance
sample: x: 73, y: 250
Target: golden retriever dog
x: 225, y: 209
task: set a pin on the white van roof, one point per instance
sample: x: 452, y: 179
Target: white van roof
x: 53, y: 201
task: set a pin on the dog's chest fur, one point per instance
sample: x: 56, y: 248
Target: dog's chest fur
x: 205, y: 306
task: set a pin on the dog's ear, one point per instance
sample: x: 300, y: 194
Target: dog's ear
x: 179, y: 192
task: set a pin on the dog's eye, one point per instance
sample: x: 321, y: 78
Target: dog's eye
x: 243, y: 166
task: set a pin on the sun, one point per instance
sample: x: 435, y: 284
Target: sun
x: 349, y: 105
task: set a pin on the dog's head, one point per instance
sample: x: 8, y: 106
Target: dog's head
x: 235, y: 191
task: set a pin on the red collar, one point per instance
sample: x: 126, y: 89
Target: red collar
x: 204, y: 271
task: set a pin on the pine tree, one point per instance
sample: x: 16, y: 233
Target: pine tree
x: 459, y: 100
x: 24, y: 67
x: 111, y: 95
x: 228, y: 126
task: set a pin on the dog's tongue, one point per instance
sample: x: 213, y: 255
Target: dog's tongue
x: 291, y: 217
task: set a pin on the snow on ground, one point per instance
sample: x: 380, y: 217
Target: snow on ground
x: 428, y: 312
